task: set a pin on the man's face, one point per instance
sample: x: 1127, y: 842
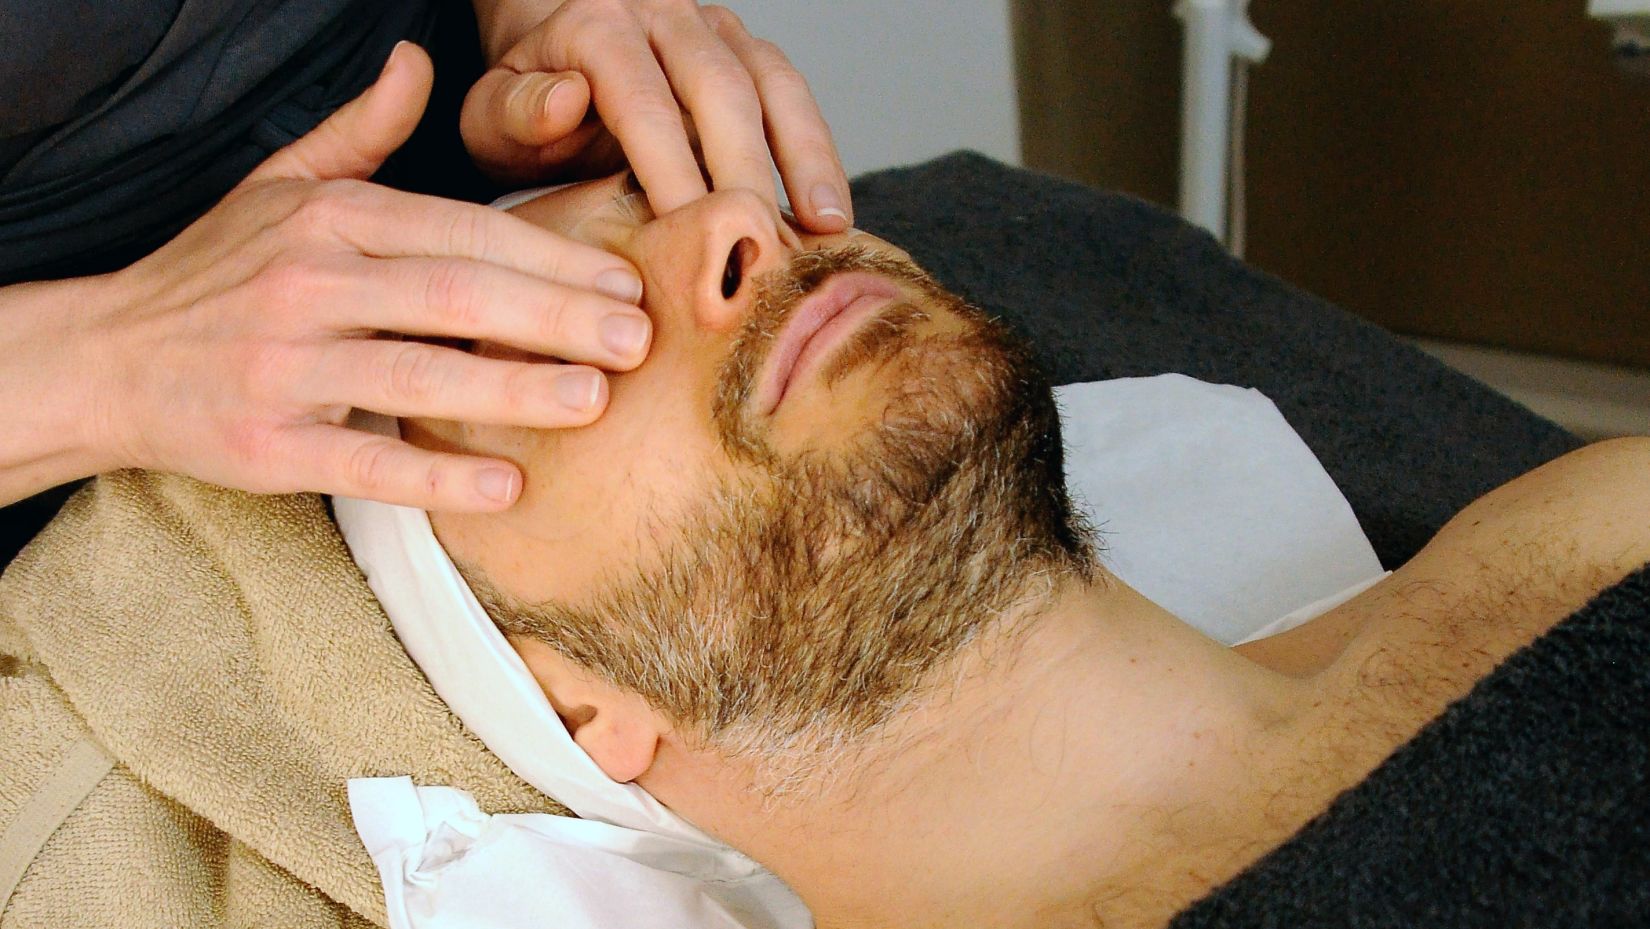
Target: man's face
x: 827, y: 477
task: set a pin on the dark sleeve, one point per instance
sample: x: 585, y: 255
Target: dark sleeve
x: 225, y: 84
x: 62, y: 60
x: 1108, y: 286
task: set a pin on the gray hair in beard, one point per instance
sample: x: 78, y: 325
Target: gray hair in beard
x: 798, y: 611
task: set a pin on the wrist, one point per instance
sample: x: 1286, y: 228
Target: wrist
x: 502, y: 23
x: 51, y: 382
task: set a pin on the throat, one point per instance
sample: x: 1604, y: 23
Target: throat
x: 1110, y: 734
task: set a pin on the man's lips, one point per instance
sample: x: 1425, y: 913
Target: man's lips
x: 823, y: 319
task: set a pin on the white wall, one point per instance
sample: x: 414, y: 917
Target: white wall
x: 900, y: 80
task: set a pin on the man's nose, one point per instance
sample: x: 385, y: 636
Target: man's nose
x: 708, y: 254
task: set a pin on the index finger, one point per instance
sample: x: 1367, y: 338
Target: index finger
x: 393, y: 224
x: 633, y: 99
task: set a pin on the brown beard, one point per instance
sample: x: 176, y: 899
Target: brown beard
x: 800, y: 609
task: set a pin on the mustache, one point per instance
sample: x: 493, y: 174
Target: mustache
x: 778, y: 294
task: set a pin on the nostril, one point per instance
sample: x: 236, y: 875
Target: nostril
x: 740, y: 257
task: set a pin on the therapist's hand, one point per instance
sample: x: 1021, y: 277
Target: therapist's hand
x: 644, y: 63
x: 235, y: 353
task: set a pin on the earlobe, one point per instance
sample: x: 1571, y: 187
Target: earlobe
x: 617, y: 729
x: 622, y: 746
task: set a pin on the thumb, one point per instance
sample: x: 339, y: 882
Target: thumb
x: 516, y: 125
x: 354, y: 141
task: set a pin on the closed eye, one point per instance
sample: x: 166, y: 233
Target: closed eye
x: 632, y: 199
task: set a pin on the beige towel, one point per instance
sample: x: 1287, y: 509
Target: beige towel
x: 227, y: 652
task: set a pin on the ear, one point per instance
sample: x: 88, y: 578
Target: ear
x: 616, y: 728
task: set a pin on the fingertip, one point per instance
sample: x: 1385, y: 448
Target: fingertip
x: 622, y: 284
x: 406, y: 54
x: 539, y: 108
x: 582, y: 392
x: 497, y: 486
x: 829, y: 209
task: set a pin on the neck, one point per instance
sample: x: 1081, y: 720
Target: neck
x: 1109, y: 761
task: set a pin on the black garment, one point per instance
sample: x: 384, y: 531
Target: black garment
x: 130, y: 163
x: 98, y: 215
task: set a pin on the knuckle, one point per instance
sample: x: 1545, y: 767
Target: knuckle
x: 772, y: 56
x: 450, y: 295
x: 556, y: 320
x: 721, y: 19
x: 522, y: 388
x: 320, y: 212
x: 434, y: 481
x: 287, y: 282
x: 266, y: 369
x: 644, y: 105
x: 370, y: 466
x: 467, y: 232
x: 251, y: 447
x: 413, y: 374
x: 594, y: 13
x: 815, y: 149
x: 783, y: 79
x: 730, y: 81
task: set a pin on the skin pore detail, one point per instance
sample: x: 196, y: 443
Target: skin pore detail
x: 866, y: 642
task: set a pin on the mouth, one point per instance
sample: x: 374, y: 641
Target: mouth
x: 821, y: 323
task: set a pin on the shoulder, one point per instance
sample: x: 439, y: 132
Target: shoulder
x: 1503, y: 571
x: 1584, y: 518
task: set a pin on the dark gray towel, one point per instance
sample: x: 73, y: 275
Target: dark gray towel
x: 1108, y: 286
x: 1526, y: 804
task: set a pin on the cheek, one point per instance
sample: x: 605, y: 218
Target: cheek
x: 603, y: 500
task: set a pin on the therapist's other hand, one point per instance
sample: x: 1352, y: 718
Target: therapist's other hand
x: 235, y: 353
x: 644, y: 64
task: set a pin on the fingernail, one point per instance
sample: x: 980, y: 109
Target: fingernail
x: 624, y: 334
x: 826, y: 202
x: 550, y: 94
x: 391, y: 56
x: 577, y: 390
x: 497, y: 484
x: 620, y: 285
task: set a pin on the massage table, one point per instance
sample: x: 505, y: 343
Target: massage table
x: 1528, y: 802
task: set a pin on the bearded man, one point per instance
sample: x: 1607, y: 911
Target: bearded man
x: 812, y: 584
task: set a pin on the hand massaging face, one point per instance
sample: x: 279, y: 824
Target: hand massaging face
x: 829, y: 477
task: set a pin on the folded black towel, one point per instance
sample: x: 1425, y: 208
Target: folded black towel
x: 1109, y: 286
x: 1526, y: 804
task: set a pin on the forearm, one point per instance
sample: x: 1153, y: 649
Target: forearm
x: 48, y: 415
x: 503, y: 22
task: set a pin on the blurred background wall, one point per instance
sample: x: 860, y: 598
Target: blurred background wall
x: 903, y: 81
x: 1470, y: 170
x: 1473, y: 174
